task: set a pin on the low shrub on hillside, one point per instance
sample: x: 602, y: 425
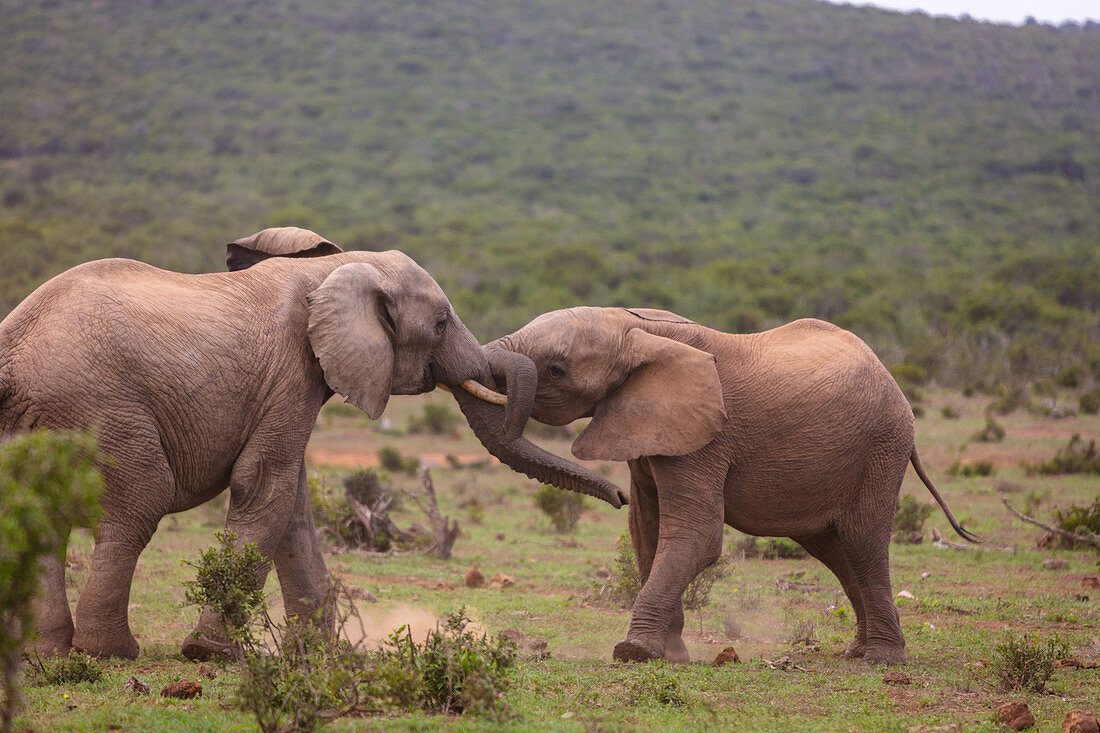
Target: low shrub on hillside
x: 563, y: 508
x: 1076, y: 456
x: 434, y: 418
x: 394, y: 461
x: 1089, y: 402
x: 971, y: 470
x: 993, y: 432
x: 1078, y: 520
x: 768, y: 548
x: 909, y: 519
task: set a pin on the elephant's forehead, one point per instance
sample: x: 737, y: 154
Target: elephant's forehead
x: 575, y: 331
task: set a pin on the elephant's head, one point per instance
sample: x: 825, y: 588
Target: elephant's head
x: 647, y: 393
x: 380, y: 325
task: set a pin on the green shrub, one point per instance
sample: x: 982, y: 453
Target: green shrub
x: 656, y: 683
x: 435, y: 418
x: 68, y: 670
x: 227, y: 579
x: 1078, y: 520
x: 1089, y: 402
x: 970, y: 470
x: 392, y: 460
x: 622, y: 582
x: 993, y: 432
x: 909, y: 518
x: 1023, y: 663
x: 457, y: 670
x: 1009, y: 399
x: 49, y: 484
x: 370, y: 487
x: 697, y: 595
x: 1074, y: 457
x: 947, y: 412
x: 562, y: 507
x: 768, y: 548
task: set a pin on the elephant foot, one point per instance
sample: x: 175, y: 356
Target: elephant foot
x: 885, y: 655
x: 53, y: 646
x: 200, y: 647
x: 103, y: 646
x: 855, y: 650
x: 675, y: 651
x: 633, y: 650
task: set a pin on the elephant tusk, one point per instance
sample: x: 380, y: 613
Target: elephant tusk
x: 481, y: 392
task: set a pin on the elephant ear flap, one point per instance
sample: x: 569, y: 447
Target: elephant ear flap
x: 276, y: 242
x: 670, y: 404
x: 351, y: 333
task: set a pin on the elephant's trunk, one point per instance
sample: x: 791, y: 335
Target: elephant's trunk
x: 487, y: 421
x: 520, y: 379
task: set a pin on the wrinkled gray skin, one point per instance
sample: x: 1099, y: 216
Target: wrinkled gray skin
x: 196, y: 383
x: 797, y: 432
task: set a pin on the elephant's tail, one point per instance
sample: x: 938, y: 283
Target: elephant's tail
x: 965, y: 534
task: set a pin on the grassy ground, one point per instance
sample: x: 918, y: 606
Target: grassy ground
x: 963, y: 602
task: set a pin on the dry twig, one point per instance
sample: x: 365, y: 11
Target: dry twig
x: 1087, y: 538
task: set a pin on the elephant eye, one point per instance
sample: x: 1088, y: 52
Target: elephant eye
x: 556, y: 371
x: 441, y: 326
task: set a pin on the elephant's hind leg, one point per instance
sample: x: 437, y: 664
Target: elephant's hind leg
x: 826, y: 547
x: 868, y: 555
x: 53, y: 619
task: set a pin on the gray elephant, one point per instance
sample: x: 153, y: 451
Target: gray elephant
x: 196, y: 383
x: 798, y: 432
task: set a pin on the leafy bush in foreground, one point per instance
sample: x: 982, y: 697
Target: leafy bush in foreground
x: 49, y: 483
x: 72, y: 669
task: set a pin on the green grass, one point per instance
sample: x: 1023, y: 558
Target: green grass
x: 964, y: 605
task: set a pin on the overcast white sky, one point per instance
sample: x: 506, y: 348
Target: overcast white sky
x: 999, y: 11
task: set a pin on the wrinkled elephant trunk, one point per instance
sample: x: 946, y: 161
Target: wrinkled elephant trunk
x: 520, y: 379
x: 488, y: 423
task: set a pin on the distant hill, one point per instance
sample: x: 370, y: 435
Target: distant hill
x: 932, y: 184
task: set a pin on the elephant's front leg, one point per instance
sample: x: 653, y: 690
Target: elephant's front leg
x: 303, y: 577
x: 688, y: 531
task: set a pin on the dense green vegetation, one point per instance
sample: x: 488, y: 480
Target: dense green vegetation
x: 931, y: 183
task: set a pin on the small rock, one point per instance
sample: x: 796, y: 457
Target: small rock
x: 925, y: 576
x: 500, y: 580
x: 185, y: 689
x: 1015, y: 715
x: 1090, y: 581
x: 136, y: 686
x: 1055, y: 563
x: 726, y: 656
x: 361, y: 594
x: 906, y: 594
x: 209, y: 671
x: 1080, y: 721
x: 474, y: 578
x: 896, y: 677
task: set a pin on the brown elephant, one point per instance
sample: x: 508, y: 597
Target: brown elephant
x: 799, y: 432
x: 196, y: 383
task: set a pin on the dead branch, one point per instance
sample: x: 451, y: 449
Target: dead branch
x: 939, y: 541
x: 444, y: 530
x: 1085, y: 537
x: 376, y: 522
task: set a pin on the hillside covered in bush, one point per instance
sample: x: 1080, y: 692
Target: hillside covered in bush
x: 932, y: 184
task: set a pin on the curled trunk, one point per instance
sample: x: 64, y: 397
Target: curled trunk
x: 522, y: 455
x: 520, y: 380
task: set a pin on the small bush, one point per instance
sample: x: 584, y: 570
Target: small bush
x: 227, y: 580
x: 656, y: 683
x: 1089, y: 402
x: 1075, y: 457
x: 910, y: 517
x: 1020, y: 663
x: 562, y: 507
x: 947, y: 412
x: 435, y: 418
x: 970, y: 470
x: 73, y: 669
x: 697, y: 595
x: 1078, y: 520
x: 1009, y: 399
x: 392, y: 460
x: 622, y: 582
x: 993, y: 432
x: 768, y: 548
x: 368, y: 486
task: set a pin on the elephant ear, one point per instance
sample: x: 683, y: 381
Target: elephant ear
x: 670, y: 404
x: 351, y: 332
x: 276, y: 242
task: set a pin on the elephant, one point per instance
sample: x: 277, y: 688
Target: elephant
x: 198, y: 383
x: 799, y: 432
